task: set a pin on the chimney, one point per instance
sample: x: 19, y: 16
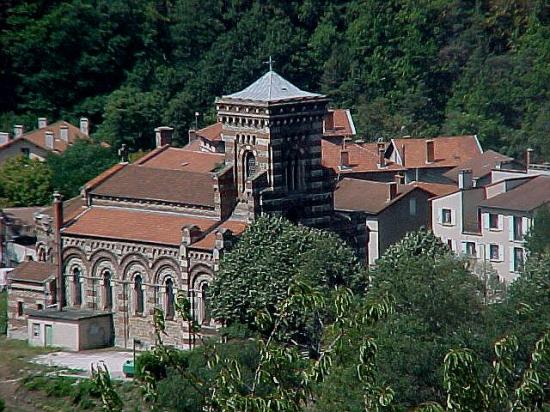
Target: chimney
x: 4, y: 138
x: 344, y: 158
x: 163, y: 136
x: 329, y: 121
x: 392, y: 190
x: 64, y: 133
x: 42, y: 122
x: 18, y: 130
x: 192, y: 135
x: 84, y: 126
x: 528, y: 158
x: 381, y: 158
x: 58, y: 223
x: 123, y: 153
x: 49, y: 139
x: 403, y: 160
x: 430, y: 151
x: 399, y: 179
x: 465, y: 179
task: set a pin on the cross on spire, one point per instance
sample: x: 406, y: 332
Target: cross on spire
x: 270, y: 62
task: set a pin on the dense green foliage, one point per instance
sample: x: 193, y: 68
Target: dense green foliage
x: 275, y: 252
x: 80, y: 163
x: 420, y: 337
x: 404, y: 67
x: 538, y: 238
x: 25, y: 182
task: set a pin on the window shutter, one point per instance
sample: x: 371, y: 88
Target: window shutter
x: 511, y: 227
x: 453, y: 217
x: 485, y: 220
x: 511, y: 260
x: 500, y: 253
x: 440, y: 215
x: 464, y: 248
x: 500, y: 222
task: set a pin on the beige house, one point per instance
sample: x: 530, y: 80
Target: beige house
x: 489, y: 224
x: 37, y: 143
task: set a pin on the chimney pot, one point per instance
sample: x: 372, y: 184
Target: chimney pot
x: 18, y: 130
x: 49, y: 139
x: 430, y: 151
x: 392, y: 190
x: 163, y: 136
x: 123, y: 153
x: 42, y: 122
x: 344, y: 158
x: 465, y: 179
x: 64, y: 133
x: 528, y: 157
x: 381, y: 158
x: 4, y: 138
x: 84, y: 126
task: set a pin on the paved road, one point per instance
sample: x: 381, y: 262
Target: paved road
x: 83, y: 360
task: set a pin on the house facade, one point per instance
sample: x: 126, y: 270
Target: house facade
x: 488, y: 224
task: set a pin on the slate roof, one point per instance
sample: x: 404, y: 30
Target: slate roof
x: 526, y: 197
x: 271, y: 87
x: 135, y: 225
x: 480, y: 165
x: 34, y: 272
x: 450, y: 151
x: 366, y: 195
x: 175, y: 186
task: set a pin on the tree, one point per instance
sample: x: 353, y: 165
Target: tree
x: 81, y: 162
x: 538, y: 238
x: 437, y: 307
x: 25, y: 182
x: 274, y: 252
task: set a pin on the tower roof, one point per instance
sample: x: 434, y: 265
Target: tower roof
x: 271, y: 87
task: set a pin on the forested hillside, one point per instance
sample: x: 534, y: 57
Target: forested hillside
x: 407, y: 67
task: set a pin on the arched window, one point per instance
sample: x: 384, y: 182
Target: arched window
x: 169, y: 299
x: 77, y: 287
x: 205, y: 305
x: 138, y: 295
x: 41, y: 255
x: 294, y: 172
x: 249, y: 164
x: 107, y: 291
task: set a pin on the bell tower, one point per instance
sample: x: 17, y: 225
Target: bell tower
x: 272, y: 132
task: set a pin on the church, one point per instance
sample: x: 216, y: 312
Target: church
x: 141, y: 232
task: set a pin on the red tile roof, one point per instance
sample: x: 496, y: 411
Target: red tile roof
x: 362, y: 157
x: 212, y: 132
x: 338, y: 122
x: 480, y: 165
x: 366, y: 195
x: 193, y: 146
x: 71, y: 208
x: 175, y: 186
x: 526, y: 197
x: 436, y: 189
x: 181, y: 159
x: 34, y: 272
x: 449, y: 151
x: 135, y: 225
x: 208, y: 242
x: 38, y: 136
